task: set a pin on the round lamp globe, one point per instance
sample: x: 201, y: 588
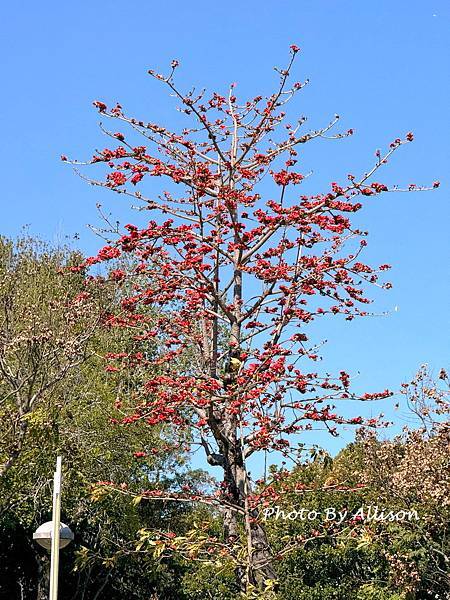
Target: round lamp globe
x: 43, y: 535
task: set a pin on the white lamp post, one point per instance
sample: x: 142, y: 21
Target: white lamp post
x: 54, y: 535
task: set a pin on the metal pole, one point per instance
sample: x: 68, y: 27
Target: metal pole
x: 56, y: 520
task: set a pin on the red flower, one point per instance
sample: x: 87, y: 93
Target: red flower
x: 115, y: 179
x: 139, y: 454
x: 284, y: 177
x: 356, y: 421
x: 81, y: 296
x: 379, y: 187
x: 108, y: 252
x: 100, y: 105
x: 136, y: 178
x: 117, y: 275
x: 294, y: 48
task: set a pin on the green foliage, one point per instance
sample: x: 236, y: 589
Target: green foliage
x: 72, y: 416
x: 204, y: 581
x: 329, y: 571
x: 371, y: 592
x: 373, y: 559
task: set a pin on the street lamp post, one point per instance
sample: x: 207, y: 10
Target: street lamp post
x: 54, y: 535
x: 56, y: 517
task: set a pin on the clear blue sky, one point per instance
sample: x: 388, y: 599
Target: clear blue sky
x: 383, y: 66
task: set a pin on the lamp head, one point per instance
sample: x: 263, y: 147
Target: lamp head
x: 43, y: 535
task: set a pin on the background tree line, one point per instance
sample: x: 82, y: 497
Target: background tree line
x: 56, y: 396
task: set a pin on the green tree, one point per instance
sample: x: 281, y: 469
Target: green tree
x: 368, y: 558
x: 56, y: 397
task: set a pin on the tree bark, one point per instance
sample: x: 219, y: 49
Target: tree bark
x: 43, y: 577
x: 237, y: 484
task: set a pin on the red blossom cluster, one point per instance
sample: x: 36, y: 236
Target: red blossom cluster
x: 234, y: 272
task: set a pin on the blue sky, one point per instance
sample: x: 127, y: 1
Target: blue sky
x: 383, y: 66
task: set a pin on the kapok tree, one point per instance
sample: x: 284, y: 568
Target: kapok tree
x: 237, y: 270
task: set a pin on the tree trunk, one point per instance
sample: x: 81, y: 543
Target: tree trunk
x: 43, y: 577
x: 259, y: 555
